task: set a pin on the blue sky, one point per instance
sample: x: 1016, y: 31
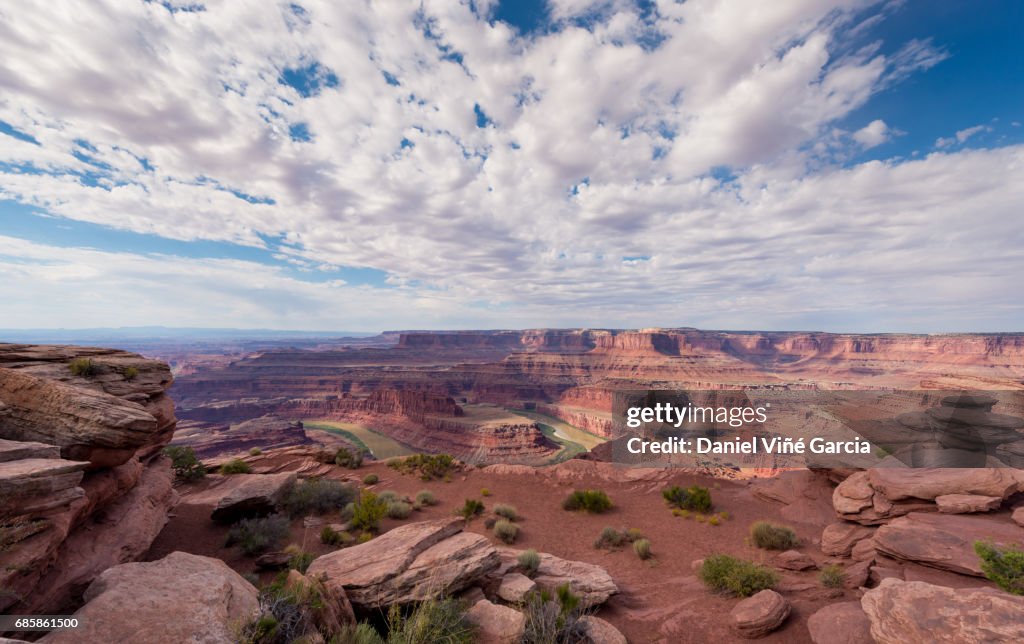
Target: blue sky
x: 498, y: 164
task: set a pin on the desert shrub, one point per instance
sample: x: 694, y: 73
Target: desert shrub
x: 553, y: 622
x: 255, y: 451
x: 471, y: 508
x: 130, y: 373
x: 725, y: 516
x: 298, y: 559
x: 361, y: 633
x: 364, y: 537
x: 426, y: 497
x: 832, y: 576
x: 83, y: 367
x: 367, y: 513
x: 433, y: 620
x: 733, y: 576
x: 317, y: 496
x: 506, y: 531
x: 331, y: 537
x: 184, y: 463
x: 681, y: 513
x: 485, y: 492
x: 489, y: 522
x: 399, y: 510
x: 594, y: 501
x: 235, y: 466
x: 699, y: 518
x: 773, y: 537
x: 610, y: 538
x: 642, y: 548
x: 529, y: 562
x: 370, y: 479
x: 695, y: 498
x: 286, y: 614
x: 254, y: 536
x: 633, y: 534
x: 1003, y: 566
x: 714, y: 520
x: 429, y: 466
x: 389, y: 496
x: 506, y: 511
x: 352, y: 459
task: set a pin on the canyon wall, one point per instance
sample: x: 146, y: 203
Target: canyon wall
x: 82, y: 480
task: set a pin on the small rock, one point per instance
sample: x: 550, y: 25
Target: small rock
x: 696, y: 565
x: 967, y: 503
x: 497, y: 624
x: 272, y: 560
x: 252, y: 494
x: 856, y: 575
x: 598, y: 631
x: 838, y: 538
x: 794, y: 560
x: 515, y: 586
x: 842, y: 623
x: 1018, y: 516
x: 759, y: 615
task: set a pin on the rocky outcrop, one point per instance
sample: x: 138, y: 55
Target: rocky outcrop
x: 180, y: 598
x: 915, y: 611
x: 83, y: 485
x: 266, y: 432
x: 967, y: 503
x: 251, y: 495
x: 406, y: 564
x: 842, y: 623
x: 591, y: 583
x: 944, y: 541
x: 759, y: 615
x: 839, y: 538
x: 496, y: 624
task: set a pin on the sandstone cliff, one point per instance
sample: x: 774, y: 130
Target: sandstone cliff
x: 83, y: 483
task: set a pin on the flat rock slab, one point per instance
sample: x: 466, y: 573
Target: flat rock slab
x: 759, y: 615
x: 515, y: 587
x: 945, y: 541
x: 252, y: 494
x: 18, y: 450
x: 180, y: 598
x: 915, y: 611
x: 838, y: 539
x: 39, y: 476
x: 793, y: 560
x: 842, y: 623
x: 967, y: 503
x: 496, y: 624
x: 409, y: 563
x: 591, y: 583
x: 927, y: 483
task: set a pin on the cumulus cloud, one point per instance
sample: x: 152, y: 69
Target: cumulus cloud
x: 961, y: 136
x: 631, y: 168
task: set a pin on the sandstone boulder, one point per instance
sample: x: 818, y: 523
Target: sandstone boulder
x: 838, y: 539
x: 944, y: 541
x: 180, y: 598
x: 410, y: 563
x: 842, y: 623
x: 759, y: 615
x: 496, y: 624
x: 1018, y: 516
x: 515, y: 586
x: 928, y: 483
x: 793, y: 560
x: 591, y: 583
x: 598, y: 631
x: 252, y: 494
x: 915, y: 611
x: 967, y: 503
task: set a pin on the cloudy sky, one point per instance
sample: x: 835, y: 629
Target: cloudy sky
x: 841, y: 165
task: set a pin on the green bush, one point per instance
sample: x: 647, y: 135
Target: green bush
x: 389, y: 496
x: 254, y: 536
x: 255, y: 451
x: 695, y: 498
x: 726, y: 574
x: 367, y: 512
x: 399, y: 510
x: 130, y: 373
x: 485, y: 492
x: 633, y: 534
x: 426, y: 497
x: 433, y: 620
x: 331, y: 537
x: 317, y: 496
x: 832, y: 576
x: 529, y: 562
x: 184, y: 463
x: 610, y: 538
x: 557, y: 622
x: 642, y: 548
x: 288, y: 613
x: 83, y: 367
x: 298, y: 559
x: 773, y: 537
x: 471, y: 508
x: 506, y: 531
x: 352, y: 459
x: 506, y: 511
x: 235, y: 466
x: 370, y: 479
x: 594, y: 501
x: 429, y: 466
x: 1003, y: 566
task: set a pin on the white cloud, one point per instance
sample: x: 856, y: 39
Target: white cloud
x: 961, y: 136
x: 597, y: 148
